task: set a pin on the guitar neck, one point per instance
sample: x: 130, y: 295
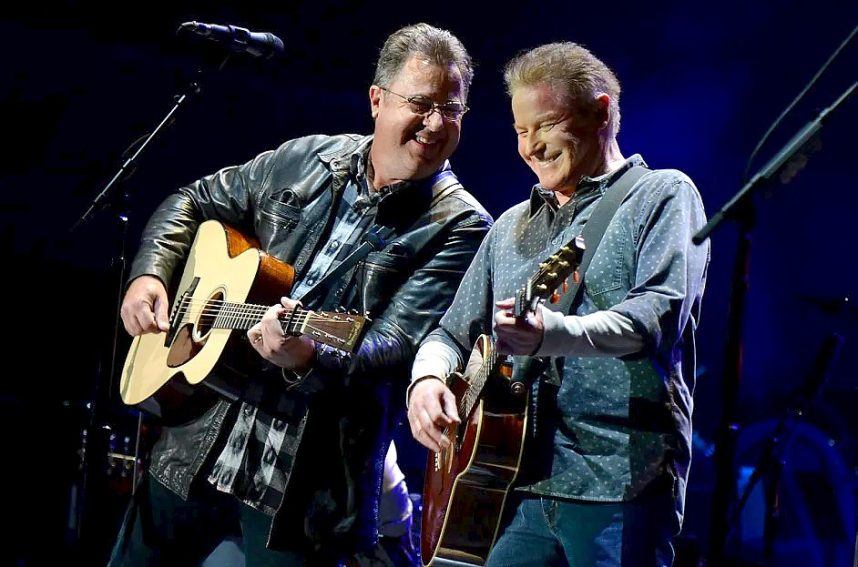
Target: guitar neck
x: 215, y: 314
x: 476, y: 383
x: 238, y: 316
x: 340, y: 330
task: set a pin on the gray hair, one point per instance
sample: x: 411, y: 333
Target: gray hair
x: 438, y: 46
x: 572, y: 69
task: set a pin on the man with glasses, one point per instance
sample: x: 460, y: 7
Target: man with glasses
x: 604, y: 469
x: 295, y: 464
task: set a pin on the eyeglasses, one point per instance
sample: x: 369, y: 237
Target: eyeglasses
x: 424, y: 106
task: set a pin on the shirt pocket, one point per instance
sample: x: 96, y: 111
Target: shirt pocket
x: 608, y: 271
x: 380, y: 274
x: 277, y: 218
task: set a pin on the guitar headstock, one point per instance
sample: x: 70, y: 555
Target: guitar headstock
x: 338, y: 329
x: 551, y: 276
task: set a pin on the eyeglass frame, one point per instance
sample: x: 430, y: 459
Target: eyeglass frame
x: 435, y: 106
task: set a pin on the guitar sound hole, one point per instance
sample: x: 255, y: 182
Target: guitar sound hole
x: 208, y: 315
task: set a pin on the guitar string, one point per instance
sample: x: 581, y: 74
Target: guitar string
x: 235, y: 313
x: 300, y: 320
x: 214, y: 303
x: 235, y: 310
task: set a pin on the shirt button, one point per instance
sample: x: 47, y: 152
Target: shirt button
x: 334, y: 244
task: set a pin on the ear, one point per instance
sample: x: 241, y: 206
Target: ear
x: 374, y: 100
x: 603, y: 110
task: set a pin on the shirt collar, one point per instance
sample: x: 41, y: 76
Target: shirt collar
x: 418, y: 190
x: 540, y: 196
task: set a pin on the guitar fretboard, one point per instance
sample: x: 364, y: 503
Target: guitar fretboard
x: 477, y: 382
x: 220, y: 314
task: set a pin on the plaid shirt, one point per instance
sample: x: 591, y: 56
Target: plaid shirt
x: 257, y: 459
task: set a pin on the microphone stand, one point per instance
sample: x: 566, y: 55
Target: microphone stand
x: 785, y: 164
x: 97, y: 440
x: 770, y: 463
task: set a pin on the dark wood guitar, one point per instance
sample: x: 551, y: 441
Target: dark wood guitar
x: 228, y: 284
x: 466, y: 484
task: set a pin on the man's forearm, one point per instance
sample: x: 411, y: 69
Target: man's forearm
x: 435, y: 359
x: 604, y: 333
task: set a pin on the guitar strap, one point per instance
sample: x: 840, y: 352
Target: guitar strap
x: 375, y: 240
x: 594, y: 230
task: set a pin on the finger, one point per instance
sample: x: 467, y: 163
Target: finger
x: 254, y: 333
x: 131, y: 326
x: 145, y: 318
x: 129, y: 319
x: 270, y: 325
x: 431, y: 405
x: 272, y: 313
x: 161, y: 318
x: 428, y: 443
x: 450, y: 410
x: 505, y: 303
x: 428, y: 434
x: 502, y: 319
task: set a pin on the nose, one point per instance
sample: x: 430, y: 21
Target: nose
x: 434, y: 121
x: 532, y: 144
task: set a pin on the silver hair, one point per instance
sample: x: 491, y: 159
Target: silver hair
x: 438, y: 46
x: 572, y: 69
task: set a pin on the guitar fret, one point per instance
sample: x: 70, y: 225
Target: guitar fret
x: 239, y: 314
x: 248, y: 320
x: 218, y: 320
x: 244, y: 317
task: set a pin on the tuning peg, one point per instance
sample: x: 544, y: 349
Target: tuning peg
x: 340, y: 309
x: 564, y: 287
x: 576, y: 277
x: 542, y: 287
x: 543, y: 265
x: 555, y: 297
x: 552, y: 275
x: 564, y: 264
x: 353, y: 312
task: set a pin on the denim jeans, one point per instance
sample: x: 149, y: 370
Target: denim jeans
x: 551, y: 531
x: 162, y: 529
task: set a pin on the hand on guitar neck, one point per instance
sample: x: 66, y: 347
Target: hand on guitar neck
x: 517, y: 335
x: 268, y: 339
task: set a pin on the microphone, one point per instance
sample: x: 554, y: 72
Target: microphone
x: 240, y: 40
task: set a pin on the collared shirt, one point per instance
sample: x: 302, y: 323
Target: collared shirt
x: 257, y: 459
x: 258, y: 456
x: 614, y: 425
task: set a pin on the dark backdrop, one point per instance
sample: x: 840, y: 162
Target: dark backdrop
x: 701, y: 83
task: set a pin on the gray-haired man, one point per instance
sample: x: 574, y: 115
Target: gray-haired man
x: 295, y: 466
x: 603, y: 481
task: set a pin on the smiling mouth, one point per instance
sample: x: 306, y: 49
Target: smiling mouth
x: 546, y: 161
x: 426, y: 141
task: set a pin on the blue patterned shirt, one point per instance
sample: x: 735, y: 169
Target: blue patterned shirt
x: 614, y: 425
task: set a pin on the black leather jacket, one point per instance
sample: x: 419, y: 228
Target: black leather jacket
x: 285, y: 198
